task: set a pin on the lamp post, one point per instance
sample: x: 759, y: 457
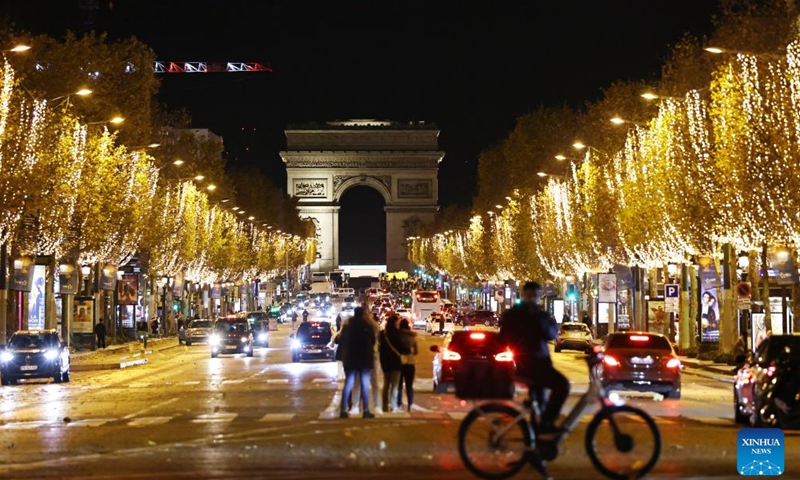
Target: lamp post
x: 165, y: 282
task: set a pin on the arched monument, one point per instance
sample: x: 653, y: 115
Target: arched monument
x: 399, y: 160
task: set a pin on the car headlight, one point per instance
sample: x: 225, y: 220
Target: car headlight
x: 295, y: 343
x: 6, y: 356
x: 213, y: 339
x: 262, y: 337
x: 51, y: 354
x: 244, y: 339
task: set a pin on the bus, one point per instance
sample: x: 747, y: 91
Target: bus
x: 319, y: 277
x: 423, y: 304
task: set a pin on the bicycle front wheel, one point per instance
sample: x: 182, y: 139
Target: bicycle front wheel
x: 493, y: 441
x: 623, y: 442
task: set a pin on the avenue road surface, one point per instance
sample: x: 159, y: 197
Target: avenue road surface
x: 186, y: 415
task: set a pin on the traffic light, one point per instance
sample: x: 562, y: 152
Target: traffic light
x: 572, y: 295
x: 517, y: 300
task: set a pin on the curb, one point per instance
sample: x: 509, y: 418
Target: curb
x: 107, y: 366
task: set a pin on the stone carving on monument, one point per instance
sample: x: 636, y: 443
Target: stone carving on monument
x: 309, y: 188
x: 414, y: 188
x: 339, y: 180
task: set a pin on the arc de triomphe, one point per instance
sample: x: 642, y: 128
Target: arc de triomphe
x: 400, y: 161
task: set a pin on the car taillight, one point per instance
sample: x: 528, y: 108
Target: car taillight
x: 477, y: 336
x: 450, y: 355
x: 507, y: 356
x: 639, y: 338
x: 610, y: 361
x: 771, y: 370
x: 674, y: 363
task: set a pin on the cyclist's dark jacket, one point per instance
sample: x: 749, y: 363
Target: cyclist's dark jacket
x: 526, y: 329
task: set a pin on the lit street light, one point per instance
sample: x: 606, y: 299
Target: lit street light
x: 178, y: 162
x: 211, y: 187
x: 20, y: 48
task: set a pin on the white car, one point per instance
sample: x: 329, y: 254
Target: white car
x: 434, y: 325
x: 405, y: 313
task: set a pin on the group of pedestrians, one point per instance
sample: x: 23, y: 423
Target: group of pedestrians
x: 362, y: 347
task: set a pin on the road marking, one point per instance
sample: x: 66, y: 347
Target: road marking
x: 147, y: 421
x: 715, y: 421
x: 277, y: 380
x: 90, y: 422
x: 26, y: 425
x: 277, y: 417
x: 139, y: 385
x: 457, y: 415
x: 147, y: 409
x: 323, y: 380
x: 232, y: 382
x: 191, y: 382
x: 219, y: 417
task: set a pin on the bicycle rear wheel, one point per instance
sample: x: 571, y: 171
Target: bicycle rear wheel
x: 488, y: 454
x: 623, y: 442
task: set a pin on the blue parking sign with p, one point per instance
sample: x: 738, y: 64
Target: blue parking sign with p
x: 671, y: 291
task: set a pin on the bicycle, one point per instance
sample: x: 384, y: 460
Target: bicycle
x: 506, y: 439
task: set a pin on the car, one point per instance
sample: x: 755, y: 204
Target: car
x: 574, y: 336
x: 261, y: 331
x: 312, y: 341
x: 766, y: 384
x: 231, y: 335
x: 439, y: 323
x: 405, y: 313
x: 464, y: 346
x: 478, y: 320
x: 197, y: 331
x: 34, y: 354
x: 641, y: 361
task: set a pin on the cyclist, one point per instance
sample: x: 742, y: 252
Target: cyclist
x: 526, y: 329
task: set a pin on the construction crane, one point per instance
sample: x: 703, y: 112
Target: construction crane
x: 209, y: 67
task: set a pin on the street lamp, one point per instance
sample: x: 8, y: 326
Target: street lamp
x: 211, y: 187
x: 19, y: 48
x: 116, y: 121
x: 165, y: 281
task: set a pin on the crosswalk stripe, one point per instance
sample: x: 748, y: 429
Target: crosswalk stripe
x: 147, y: 421
x: 191, y: 382
x: 277, y: 380
x: 219, y: 417
x: 277, y: 417
x: 457, y: 415
x: 323, y: 380
x: 90, y: 422
x: 26, y: 425
x: 232, y: 382
x: 139, y: 385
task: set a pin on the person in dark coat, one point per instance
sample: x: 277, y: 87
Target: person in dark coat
x: 100, y: 331
x: 526, y: 329
x: 408, y: 347
x: 390, y: 362
x: 358, y: 356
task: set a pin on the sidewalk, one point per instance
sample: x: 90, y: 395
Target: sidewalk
x: 119, y: 356
x: 719, y: 371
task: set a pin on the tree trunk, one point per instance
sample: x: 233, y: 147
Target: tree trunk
x: 694, y: 296
x: 685, y: 335
x: 727, y: 326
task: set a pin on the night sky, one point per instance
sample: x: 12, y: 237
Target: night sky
x: 469, y: 69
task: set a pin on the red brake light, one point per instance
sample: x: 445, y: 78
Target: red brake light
x: 450, y: 355
x: 674, y: 363
x: 610, y: 361
x: 507, y: 356
x: 639, y: 338
x: 477, y: 336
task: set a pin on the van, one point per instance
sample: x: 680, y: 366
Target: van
x: 319, y: 277
x: 346, y: 292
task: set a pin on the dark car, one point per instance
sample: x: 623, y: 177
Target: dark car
x: 231, y: 335
x: 641, y: 361
x: 312, y: 341
x: 574, y: 336
x: 196, y: 331
x: 34, y: 354
x: 479, y: 320
x: 261, y: 333
x: 464, y: 346
x: 767, y: 385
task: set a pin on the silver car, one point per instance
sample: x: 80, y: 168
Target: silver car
x: 574, y: 336
x: 196, y: 331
